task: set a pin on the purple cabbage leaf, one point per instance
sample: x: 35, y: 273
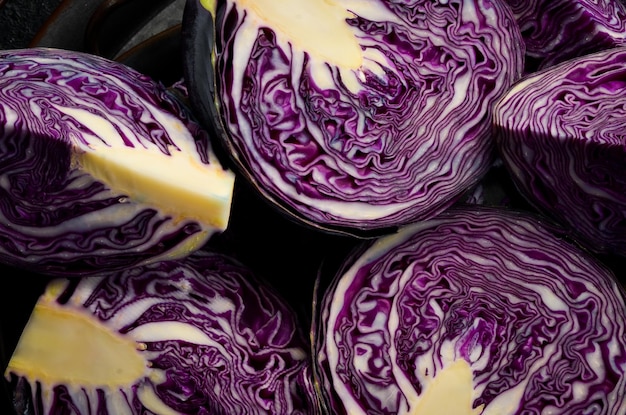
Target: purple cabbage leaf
x: 354, y: 117
x: 558, y: 30
x: 201, y: 335
x: 477, y: 311
x: 561, y: 135
x: 100, y: 167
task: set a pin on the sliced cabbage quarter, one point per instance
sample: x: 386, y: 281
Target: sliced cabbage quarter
x: 100, y: 167
x: 353, y: 116
x: 479, y: 311
x: 200, y: 335
x: 562, y: 136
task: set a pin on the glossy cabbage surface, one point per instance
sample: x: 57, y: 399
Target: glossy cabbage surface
x: 557, y: 30
x: 561, y: 135
x: 57, y: 108
x: 490, y: 307
x: 211, y: 337
x: 363, y: 115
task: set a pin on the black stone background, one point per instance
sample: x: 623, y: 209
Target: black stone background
x: 21, y: 19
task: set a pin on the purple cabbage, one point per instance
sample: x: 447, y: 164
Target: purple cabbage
x: 88, y: 150
x: 477, y: 311
x: 384, y: 121
x: 201, y: 335
x: 558, y: 30
x: 561, y: 136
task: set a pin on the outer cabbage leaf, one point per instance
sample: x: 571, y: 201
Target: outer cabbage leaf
x: 354, y: 116
x: 100, y: 167
x: 558, y: 30
x: 561, y: 135
x: 196, y: 336
x: 477, y: 311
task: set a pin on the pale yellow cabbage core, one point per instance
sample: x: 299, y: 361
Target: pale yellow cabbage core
x: 64, y: 346
x: 176, y: 184
x: 450, y: 392
x: 179, y: 184
x: 316, y: 26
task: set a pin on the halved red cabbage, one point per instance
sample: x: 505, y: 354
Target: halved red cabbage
x: 561, y: 133
x: 201, y: 335
x: 354, y: 116
x: 558, y: 30
x: 100, y: 167
x: 478, y: 311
